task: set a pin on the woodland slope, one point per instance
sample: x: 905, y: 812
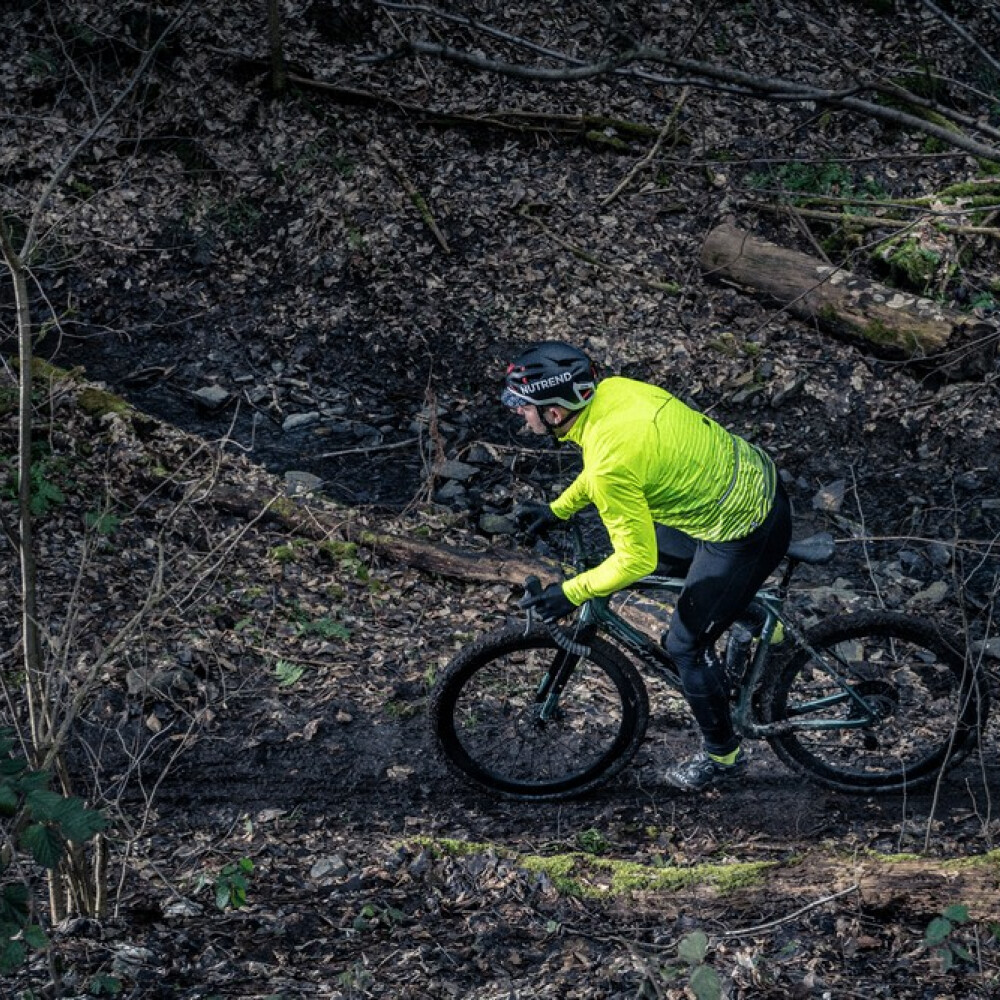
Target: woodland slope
x: 329, y: 283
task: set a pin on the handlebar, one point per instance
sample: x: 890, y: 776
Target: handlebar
x: 560, y: 636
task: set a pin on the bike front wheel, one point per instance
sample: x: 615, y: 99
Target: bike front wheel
x: 498, y: 720
x: 910, y: 704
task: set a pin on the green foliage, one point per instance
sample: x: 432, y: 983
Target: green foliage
x: 103, y: 522
x: 910, y: 264
x: 372, y: 917
x: 345, y: 556
x: 236, y: 218
x: 104, y: 986
x: 829, y: 178
x: 939, y: 938
x: 47, y: 481
x: 230, y: 886
x: 592, y: 841
x: 38, y: 822
x: 288, y: 673
x: 284, y: 553
x: 324, y: 627
x: 42, y: 63
x: 702, y: 980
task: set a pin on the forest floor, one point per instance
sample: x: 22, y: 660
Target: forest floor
x: 270, y: 707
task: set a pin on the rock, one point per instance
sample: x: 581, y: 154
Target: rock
x: 787, y: 390
x: 452, y: 469
x: 480, y: 455
x: 299, y: 484
x: 158, y: 682
x: 987, y: 647
x: 180, y: 908
x: 934, y: 594
x: 211, y: 397
x: 830, y: 498
x: 940, y: 554
x: 450, y: 491
x: 495, y: 524
x: 296, y: 421
x: 332, y: 866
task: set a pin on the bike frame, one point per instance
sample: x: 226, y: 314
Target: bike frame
x: 597, y: 615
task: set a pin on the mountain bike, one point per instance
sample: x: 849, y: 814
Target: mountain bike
x: 871, y: 701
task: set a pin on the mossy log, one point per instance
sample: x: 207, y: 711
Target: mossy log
x: 896, y: 324
x: 321, y: 520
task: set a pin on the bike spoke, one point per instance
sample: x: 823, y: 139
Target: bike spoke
x: 892, y: 706
x: 490, y: 724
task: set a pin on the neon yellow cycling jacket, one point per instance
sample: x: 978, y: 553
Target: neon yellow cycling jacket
x: 649, y: 458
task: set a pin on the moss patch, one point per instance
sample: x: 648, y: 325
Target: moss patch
x: 99, y: 402
x: 583, y: 875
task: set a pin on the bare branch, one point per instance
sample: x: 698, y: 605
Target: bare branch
x: 962, y: 33
x: 717, y: 77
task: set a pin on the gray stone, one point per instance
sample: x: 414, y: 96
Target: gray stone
x: 461, y: 471
x: 326, y: 867
x: 296, y: 421
x: 940, y: 554
x: 212, y: 397
x: 450, y: 491
x: 299, y: 484
x: 479, y: 455
x: 830, y: 498
x: 495, y: 524
x: 987, y: 647
x: 934, y: 594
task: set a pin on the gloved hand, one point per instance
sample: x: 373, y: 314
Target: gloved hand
x: 550, y: 605
x: 536, y: 518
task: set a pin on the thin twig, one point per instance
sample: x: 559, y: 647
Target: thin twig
x: 771, y: 924
x: 418, y: 200
x: 370, y: 448
x: 668, y: 126
x: 962, y: 33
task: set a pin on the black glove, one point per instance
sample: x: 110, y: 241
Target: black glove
x: 551, y: 604
x: 536, y: 518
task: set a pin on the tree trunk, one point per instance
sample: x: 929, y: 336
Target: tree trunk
x: 279, y: 73
x: 898, y: 324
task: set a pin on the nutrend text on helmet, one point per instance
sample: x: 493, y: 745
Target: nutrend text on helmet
x: 547, y: 383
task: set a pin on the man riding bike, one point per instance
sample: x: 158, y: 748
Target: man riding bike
x: 675, y: 491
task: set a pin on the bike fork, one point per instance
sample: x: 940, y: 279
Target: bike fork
x: 553, y: 684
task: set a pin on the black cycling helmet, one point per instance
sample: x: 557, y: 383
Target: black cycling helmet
x: 550, y: 374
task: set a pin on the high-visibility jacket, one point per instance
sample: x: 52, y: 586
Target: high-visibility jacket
x: 649, y: 458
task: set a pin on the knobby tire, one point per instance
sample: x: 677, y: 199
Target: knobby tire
x: 485, y: 718
x: 930, y: 698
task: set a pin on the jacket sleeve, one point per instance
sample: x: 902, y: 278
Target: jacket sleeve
x: 575, y: 497
x: 625, y: 513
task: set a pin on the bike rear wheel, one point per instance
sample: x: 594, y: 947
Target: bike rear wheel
x: 487, y: 715
x: 915, y: 704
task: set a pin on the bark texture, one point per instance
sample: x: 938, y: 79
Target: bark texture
x: 896, y: 323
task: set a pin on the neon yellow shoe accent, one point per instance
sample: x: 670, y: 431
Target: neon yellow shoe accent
x: 729, y: 758
x: 778, y: 634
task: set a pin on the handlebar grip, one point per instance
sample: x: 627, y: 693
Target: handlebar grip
x: 532, y: 586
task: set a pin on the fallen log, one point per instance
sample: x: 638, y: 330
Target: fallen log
x: 321, y: 521
x: 897, y: 324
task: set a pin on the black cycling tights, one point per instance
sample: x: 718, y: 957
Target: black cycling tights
x: 720, y: 579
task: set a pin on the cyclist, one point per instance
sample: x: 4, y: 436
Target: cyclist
x: 676, y: 491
